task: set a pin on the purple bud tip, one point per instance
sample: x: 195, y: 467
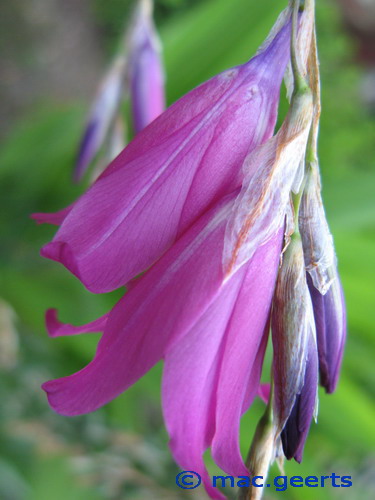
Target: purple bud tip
x: 298, y: 424
x: 330, y: 320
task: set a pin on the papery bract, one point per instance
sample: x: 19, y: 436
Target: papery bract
x: 181, y: 164
x: 269, y: 176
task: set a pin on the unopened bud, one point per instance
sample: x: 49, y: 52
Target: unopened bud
x: 297, y: 427
x: 330, y: 320
x: 103, y: 110
x: 145, y: 68
x: 293, y: 330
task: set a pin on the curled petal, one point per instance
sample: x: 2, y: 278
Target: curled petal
x: 55, y: 218
x: 57, y: 329
x: 161, y: 307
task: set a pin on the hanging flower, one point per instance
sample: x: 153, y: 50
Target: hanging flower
x: 173, y: 170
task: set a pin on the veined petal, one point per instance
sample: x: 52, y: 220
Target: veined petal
x: 57, y: 329
x: 181, y: 164
x: 190, y: 383
x: 245, y: 344
x: 159, y: 309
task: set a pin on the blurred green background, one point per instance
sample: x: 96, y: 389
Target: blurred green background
x: 120, y: 451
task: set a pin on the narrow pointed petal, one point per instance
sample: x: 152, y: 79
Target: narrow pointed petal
x: 246, y: 340
x: 298, y: 424
x: 145, y: 69
x: 101, y: 115
x: 330, y: 320
x: 57, y: 329
x: 181, y: 164
x: 159, y: 309
x: 54, y: 218
x: 190, y: 383
x: 293, y: 329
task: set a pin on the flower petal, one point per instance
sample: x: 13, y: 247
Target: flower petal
x: 181, y: 164
x: 55, y: 218
x: 242, y: 361
x: 159, y: 309
x: 190, y: 383
x: 57, y: 329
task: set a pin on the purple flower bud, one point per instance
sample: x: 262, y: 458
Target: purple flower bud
x: 101, y: 115
x: 146, y: 69
x: 297, y: 426
x: 330, y: 320
x: 293, y: 334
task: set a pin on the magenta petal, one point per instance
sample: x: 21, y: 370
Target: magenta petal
x: 57, y: 329
x: 176, y: 168
x: 146, y: 72
x: 189, y: 384
x: 245, y: 343
x: 264, y: 392
x: 159, y: 309
x: 55, y: 218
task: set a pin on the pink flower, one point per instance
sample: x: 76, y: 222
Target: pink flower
x: 172, y: 172
x: 210, y: 331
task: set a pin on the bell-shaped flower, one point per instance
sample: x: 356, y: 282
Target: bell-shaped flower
x: 171, y: 172
x: 210, y: 331
x: 146, y: 72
